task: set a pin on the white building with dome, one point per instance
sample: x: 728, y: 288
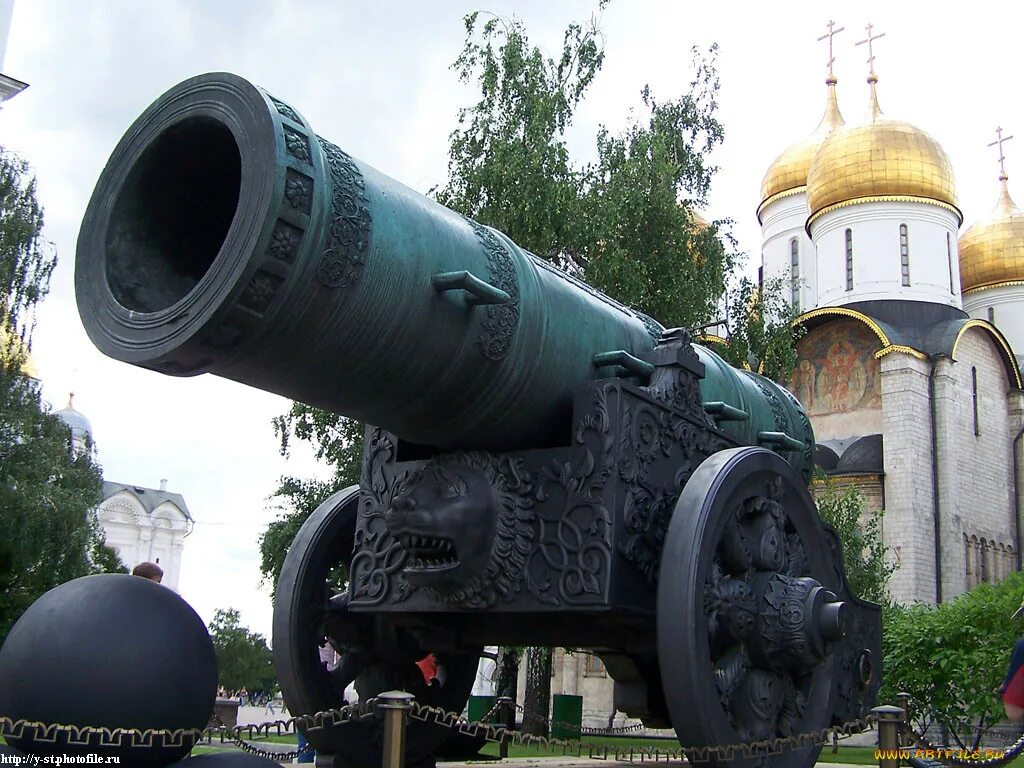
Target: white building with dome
x: 141, y: 524
x: 913, y: 389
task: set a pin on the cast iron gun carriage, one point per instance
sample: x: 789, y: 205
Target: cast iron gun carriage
x: 545, y: 465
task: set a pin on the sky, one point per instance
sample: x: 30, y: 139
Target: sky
x: 375, y: 79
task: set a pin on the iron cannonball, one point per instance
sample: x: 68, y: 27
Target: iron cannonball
x: 113, y: 651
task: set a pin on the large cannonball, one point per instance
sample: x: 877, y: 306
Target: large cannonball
x: 111, y: 651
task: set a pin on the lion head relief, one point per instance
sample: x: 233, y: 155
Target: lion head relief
x: 465, y: 522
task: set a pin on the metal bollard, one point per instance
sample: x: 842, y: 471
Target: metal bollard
x: 396, y: 706
x: 890, y: 723
x: 903, y: 702
x: 507, y: 716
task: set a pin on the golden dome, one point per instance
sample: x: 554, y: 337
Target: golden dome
x: 992, y: 251
x: 15, y: 351
x: 879, y: 160
x: 788, y: 172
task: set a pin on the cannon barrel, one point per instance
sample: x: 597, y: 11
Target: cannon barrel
x: 225, y: 236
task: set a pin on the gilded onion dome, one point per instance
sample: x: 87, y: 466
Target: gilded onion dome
x: 14, y: 351
x: 881, y: 159
x: 992, y: 251
x: 788, y: 172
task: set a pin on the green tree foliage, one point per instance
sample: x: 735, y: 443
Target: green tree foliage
x: 508, y: 164
x: 338, y: 442
x: 865, y: 557
x: 643, y: 245
x: 953, y: 656
x: 48, y: 528
x: 760, y: 320
x: 243, y: 658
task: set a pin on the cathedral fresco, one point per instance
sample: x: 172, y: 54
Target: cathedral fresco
x: 837, y: 375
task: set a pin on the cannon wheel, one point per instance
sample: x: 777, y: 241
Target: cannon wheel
x: 305, y: 605
x: 743, y: 529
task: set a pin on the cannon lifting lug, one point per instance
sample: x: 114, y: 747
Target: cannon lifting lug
x: 477, y: 290
x: 780, y: 440
x: 725, y: 412
x: 634, y: 365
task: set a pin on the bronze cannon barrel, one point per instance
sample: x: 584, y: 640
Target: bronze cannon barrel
x: 225, y: 236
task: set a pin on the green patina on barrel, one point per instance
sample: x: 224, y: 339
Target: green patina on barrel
x: 765, y: 413
x: 225, y: 236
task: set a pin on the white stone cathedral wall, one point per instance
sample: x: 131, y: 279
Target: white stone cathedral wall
x: 781, y: 222
x: 876, y: 253
x: 907, y: 526
x: 976, y: 490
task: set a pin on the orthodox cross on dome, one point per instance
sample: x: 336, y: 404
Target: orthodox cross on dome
x: 1002, y: 159
x: 832, y: 32
x: 871, y: 49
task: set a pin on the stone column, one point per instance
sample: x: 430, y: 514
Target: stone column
x: 954, y: 555
x: 1016, y: 410
x: 909, y: 523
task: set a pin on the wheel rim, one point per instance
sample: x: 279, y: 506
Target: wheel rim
x: 302, y: 609
x: 323, y: 541
x: 747, y: 617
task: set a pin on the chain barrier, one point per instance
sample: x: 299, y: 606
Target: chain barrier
x: 112, y: 737
x: 610, y: 731
x: 775, y: 746
x: 178, y: 737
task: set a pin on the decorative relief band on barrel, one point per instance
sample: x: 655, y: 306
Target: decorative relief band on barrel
x: 285, y: 240
x: 500, y: 324
x: 285, y: 110
x: 349, y: 237
x: 296, y: 144
x: 778, y: 411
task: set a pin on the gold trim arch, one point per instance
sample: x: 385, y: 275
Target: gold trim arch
x: 1008, y: 357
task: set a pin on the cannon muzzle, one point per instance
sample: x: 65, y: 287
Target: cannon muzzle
x: 225, y: 236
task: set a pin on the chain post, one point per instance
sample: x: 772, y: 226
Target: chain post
x: 396, y: 706
x: 507, y: 716
x: 890, y: 722
x: 903, y: 702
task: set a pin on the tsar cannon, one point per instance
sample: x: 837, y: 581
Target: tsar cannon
x: 544, y: 467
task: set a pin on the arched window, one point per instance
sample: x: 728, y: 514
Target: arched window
x: 949, y: 260
x: 794, y: 272
x: 992, y: 315
x: 904, y: 255
x: 975, y: 561
x: 969, y: 561
x: 974, y: 397
x: 849, y: 259
x: 983, y: 575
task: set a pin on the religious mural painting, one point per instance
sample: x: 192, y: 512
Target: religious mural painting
x: 838, y: 379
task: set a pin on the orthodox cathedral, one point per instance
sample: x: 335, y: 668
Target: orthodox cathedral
x: 910, y: 365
